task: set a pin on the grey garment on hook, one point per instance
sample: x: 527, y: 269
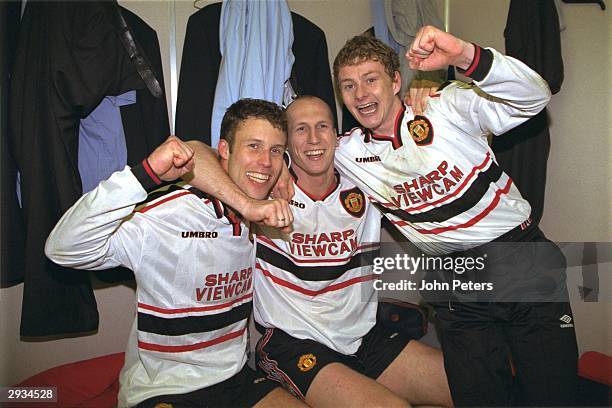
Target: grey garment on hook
x: 404, y: 19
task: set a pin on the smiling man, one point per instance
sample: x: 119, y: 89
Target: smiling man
x: 315, y: 301
x: 193, y: 259
x: 436, y: 179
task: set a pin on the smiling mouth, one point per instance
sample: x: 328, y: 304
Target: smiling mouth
x: 368, y: 108
x: 258, y: 177
x: 314, y: 154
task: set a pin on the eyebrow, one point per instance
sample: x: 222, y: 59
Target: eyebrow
x: 328, y: 121
x: 370, y: 73
x: 252, y: 139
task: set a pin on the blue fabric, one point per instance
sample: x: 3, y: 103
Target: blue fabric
x: 381, y: 30
x: 256, y: 58
x: 102, y: 148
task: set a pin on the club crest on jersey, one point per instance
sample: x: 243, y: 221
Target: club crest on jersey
x: 421, y: 130
x: 353, y: 202
x: 307, y: 362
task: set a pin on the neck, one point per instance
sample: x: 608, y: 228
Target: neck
x: 387, y: 128
x: 318, y: 185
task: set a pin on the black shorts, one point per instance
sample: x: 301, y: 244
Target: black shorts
x: 244, y: 389
x: 294, y: 363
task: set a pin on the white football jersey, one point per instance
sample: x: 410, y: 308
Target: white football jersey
x: 193, y: 264
x: 436, y: 178
x: 317, y: 282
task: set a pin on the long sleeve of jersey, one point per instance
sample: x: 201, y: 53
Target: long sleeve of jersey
x: 505, y: 93
x: 96, y: 232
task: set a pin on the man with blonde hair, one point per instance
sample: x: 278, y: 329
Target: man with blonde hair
x: 436, y: 179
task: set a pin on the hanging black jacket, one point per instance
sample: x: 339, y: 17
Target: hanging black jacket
x: 69, y: 56
x: 13, y: 235
x: 533, y: 36
x: 202, y: 58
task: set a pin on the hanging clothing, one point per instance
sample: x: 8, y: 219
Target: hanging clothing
x: 401, y: 20
x: 533, y: 36
x: 256, y: 58
x: 13, y: 237
x: 202, y: 58
x: 102, y: 149
x: 57, y: 80
x: 396, y: 23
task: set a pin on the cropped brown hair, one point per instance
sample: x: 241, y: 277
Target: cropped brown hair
x: 363, y: 48
x: 248, y: 108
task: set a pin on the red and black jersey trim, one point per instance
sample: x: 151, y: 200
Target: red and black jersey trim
x: 329, y: 192
x: 472, y: 196
x: 146, y: 176
x: 220, y: 210
x: 315, y: 273
x: 396, y: 138
x: 481, y: 64
x: 179, y: 326
x: 160, y: 193
x: 235, y: 221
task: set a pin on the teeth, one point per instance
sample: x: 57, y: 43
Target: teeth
x: 314, y: 152
x: 258, y: 177
x: 367, y: 108
x: 366, y: 105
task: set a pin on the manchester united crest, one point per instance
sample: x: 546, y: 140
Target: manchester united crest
x: 353, y: 202
x: 421, y: 130
x: 307, y: 362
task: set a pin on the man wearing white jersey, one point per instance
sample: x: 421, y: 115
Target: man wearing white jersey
x: 193, y: 260
x: 314, y: 297
x: 436, y: 179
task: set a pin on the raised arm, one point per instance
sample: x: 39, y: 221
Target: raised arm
x: 96, y: 232
x: 506, y: 92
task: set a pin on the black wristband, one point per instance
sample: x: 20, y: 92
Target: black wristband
x: 480, y: 65
x: 146, y: 176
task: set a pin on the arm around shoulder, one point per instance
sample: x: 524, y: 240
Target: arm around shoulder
x: 208, y: 176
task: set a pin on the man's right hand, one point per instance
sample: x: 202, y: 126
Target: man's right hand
x: 434, y: 49
x: 272, y: 213
x: 172, y: 159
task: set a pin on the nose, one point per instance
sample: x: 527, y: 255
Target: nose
x: 360, y: 91
x: 265, y: 158
x: 313, y: 137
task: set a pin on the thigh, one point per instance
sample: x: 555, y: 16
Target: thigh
x: 379, y: 348
x: 476, y: 355
x: 252, y: 388
x: 278, y: 398
x: 294, y: 363
x: 544, y: 352
x: 417, y: 375
x: 318, y: 375
x: 245, y: 388
x: 337, y: 385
